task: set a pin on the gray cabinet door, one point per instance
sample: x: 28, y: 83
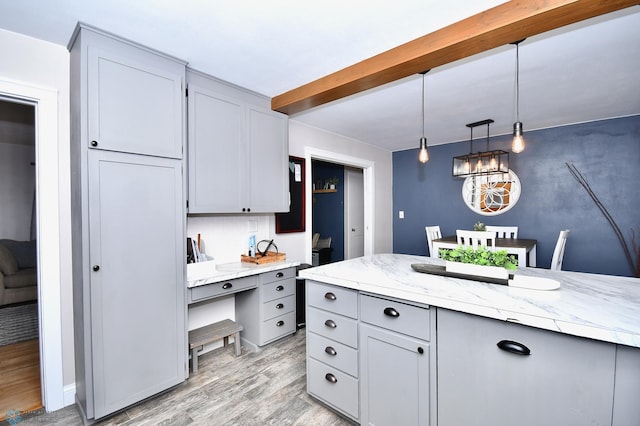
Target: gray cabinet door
x: 394, y: 378
x: 135, y: 101
x: 137, y: 291
x: 626, y: 410
x: 216, y: 152
x: 564, y: 380
x: 268, y: 189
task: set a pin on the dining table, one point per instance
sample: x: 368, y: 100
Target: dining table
x: 524, y: 248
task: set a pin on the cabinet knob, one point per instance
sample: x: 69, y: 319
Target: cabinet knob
x: 94, y: 143
x: 279, y: 288
x: 390, y: 312
x: 279, y: 275
x: 279, y: 306
x: 330, y: 296
x: 244, y: 209
x: 330, y: 351
x: 420, y: 350
x: 96, y: 268
x: 330, y: 378
x: 514, y: 347
x: 330, y: 323
x: 227, y: 286
x: 279, y: 323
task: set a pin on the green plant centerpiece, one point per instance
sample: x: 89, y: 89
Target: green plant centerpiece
x: 479, y: 226
x: 480, y: 262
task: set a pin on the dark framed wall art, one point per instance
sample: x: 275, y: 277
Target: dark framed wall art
x: 294, y: 220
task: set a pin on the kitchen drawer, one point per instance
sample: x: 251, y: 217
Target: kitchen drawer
x: 278, y: 307
x: 278, y: 289
x: 281, y: 274
x: 221, y: 288
x: 277, y: 327
x: 399, y: 317
x: 333, y: 326
x: 333, y: 353
x: 333, y: 387
x: 335, y: 299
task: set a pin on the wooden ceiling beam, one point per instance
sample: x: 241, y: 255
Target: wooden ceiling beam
x: 501, y: 25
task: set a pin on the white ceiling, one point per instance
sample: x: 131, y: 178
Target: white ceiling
x: 584, y: 72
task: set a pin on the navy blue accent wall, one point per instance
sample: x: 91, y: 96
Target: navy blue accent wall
x: 328, y: 208
x: 606, y: 152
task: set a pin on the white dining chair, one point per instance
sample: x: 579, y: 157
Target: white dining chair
x: 476, y: 239
x: 558, y: 252
x: 503, y: 231
x: 433, y: 233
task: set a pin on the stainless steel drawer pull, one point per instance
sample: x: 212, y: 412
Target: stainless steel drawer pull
x: 330, y: 296
x: 331, y: 378
x: 330, y: 324
x: 279, y: 306
x: 390, y: 312
x: 279, y: 275
x: 227, y: 286
x: 514, y: 347
x: 330, y: 351
x: 279, y: 288
x: 279, y: 323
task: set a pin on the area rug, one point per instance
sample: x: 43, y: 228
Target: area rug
x: 18, y: 323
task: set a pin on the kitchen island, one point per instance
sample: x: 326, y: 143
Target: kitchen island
x: 558, y: 357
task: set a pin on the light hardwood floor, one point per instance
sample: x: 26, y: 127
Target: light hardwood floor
x: 263, y: 388
x: 19, y: 377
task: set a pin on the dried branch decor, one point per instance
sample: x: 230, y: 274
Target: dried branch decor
x: 634, y: 264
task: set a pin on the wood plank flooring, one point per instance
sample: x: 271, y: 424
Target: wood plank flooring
x: 20, y: 378
x: 257, y: 388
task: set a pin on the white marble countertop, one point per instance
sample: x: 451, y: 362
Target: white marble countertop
x: 229, y: 271
x: 601, y: 307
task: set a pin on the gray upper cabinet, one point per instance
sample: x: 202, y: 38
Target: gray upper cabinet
x: 238, y: 150
x: 497, y: 373
x: 128, y: 222
x: 134, y: 101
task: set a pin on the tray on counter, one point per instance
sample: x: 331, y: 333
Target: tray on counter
x: 258, y: 259
x: 426, y: 268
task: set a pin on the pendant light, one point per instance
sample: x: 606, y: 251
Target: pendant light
x: 517, y: 145
x: 482, y: 162
x: 423, y: 155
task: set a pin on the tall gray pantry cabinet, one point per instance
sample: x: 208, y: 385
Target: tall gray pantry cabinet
x: 129, y: 219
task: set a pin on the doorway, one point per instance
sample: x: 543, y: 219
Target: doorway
x: 19, y: 323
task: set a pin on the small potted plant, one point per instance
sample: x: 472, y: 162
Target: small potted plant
x: 479, y: 226
x: 333, y: 181
x: 480, y: 262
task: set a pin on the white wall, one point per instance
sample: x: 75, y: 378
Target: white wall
x: 17, y: 180
x: 38, y: 63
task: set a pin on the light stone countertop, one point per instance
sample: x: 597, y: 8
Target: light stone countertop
x: 229, y: 271
x: 601, y: 307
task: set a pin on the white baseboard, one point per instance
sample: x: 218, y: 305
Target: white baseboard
x: 69, y: 397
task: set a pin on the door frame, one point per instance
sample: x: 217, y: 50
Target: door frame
x: 368, y: 172
x: 45, y: 102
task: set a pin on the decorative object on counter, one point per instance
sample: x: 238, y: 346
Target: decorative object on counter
x: 423, y: 155
x: 259, y: 259
x: 479, y: 262
x: 479, y: 226
x: 517, y: 145
x: 633, y: 260
x: 252, y: 246
x: 490, y: 195
x: 482, y: 162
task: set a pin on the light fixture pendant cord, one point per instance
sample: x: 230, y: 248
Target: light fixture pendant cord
x: 518, y: 82
x: 423, y: 105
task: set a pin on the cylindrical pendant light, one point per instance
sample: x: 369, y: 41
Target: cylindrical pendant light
x: 423, y: 155
x: 518, y: 144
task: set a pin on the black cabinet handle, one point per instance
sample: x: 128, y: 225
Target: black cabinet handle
x: 96, y: 268
x: 279, y: 306
x: 279, y: 275
x: 227, y: 286
x: 330, y: 324
x: 420, y: 350
x: 244, y: 209
x: 279, y: 288
x: 514, y: 347
x: 94, y: 143
x: 331, y: 378
x: 330, y: 296
x: 330, y: 351
x: 279, y: 323
x: 390, y: 312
